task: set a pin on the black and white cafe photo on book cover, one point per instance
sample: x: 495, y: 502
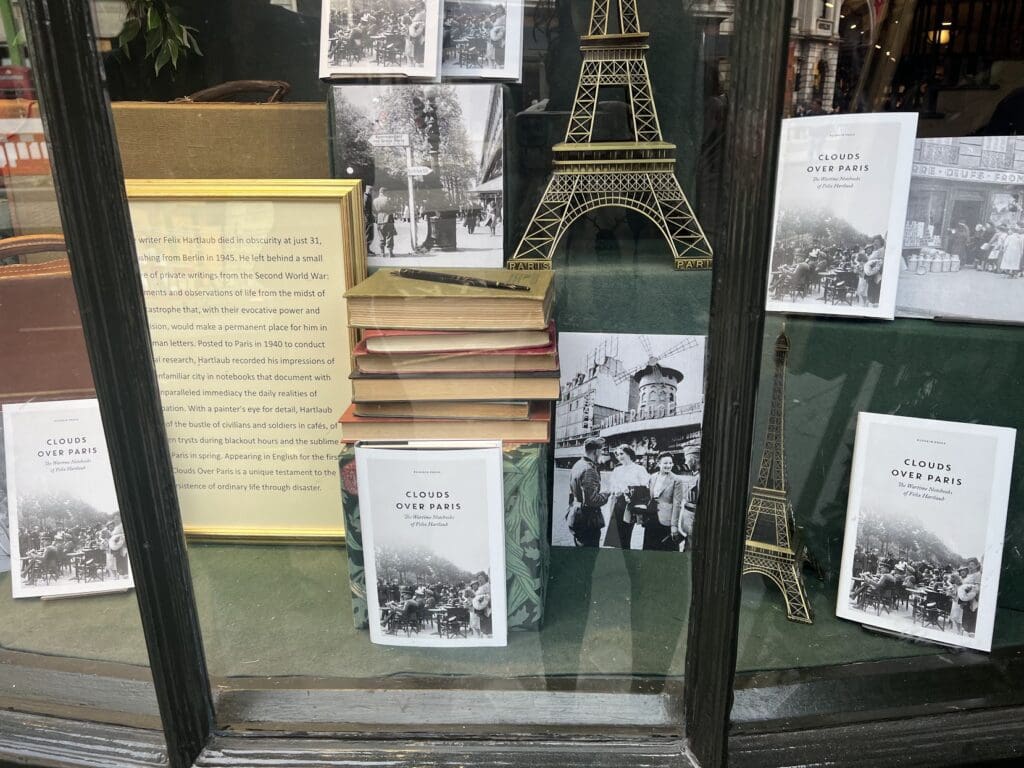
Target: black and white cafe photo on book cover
x: 963, y: 248
x: 432, y: 521
x: 431, y: 161
x: 66, y: 534
x: 365, y: 38
x: 840, y: 202
x: 925, y: 527
x: 627, y: 440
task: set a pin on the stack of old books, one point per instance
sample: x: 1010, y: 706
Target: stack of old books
x: 452, y: 354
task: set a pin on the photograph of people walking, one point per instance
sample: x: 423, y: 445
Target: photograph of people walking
x: 963, y: 250
x: 430, y: 158
x: 627, y: 440
x: 840, y: 203
x: 361, y: 38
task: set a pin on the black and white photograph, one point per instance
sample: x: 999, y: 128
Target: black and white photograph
x: 431, y: 162
x: 482, y: 39
x: 66, y: 534
x: 393, y: 38
x: 432, y: 521
x: 925, y: 526
x: 840, y: 203
x: 963, y: 249
x: 627, y: 440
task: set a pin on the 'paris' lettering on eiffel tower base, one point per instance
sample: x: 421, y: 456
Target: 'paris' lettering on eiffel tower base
x: 637, y: 174
x: 771, y: 548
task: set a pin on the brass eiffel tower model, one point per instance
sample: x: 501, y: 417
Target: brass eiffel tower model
x: 771, y: 548
x: 637, y: 174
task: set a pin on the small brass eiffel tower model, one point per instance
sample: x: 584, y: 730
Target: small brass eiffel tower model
x: 637, y: 174
x: 771, y: 548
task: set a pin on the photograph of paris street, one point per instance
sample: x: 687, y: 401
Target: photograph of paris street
x: 430, y: 158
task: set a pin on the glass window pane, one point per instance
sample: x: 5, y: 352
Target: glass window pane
x: 943, y: 359
x: 631, y: 308
x: 66, y: 600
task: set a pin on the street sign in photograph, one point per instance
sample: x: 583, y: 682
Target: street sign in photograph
x: 390, y: 139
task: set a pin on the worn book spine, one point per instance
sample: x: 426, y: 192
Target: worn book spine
x: 527, y: 554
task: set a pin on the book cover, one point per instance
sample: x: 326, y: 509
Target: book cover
x: 433, y: 538
x: 527, y: 548
x: 403, y: 341
x: 924, y: 528
x: 66, y: 535
x: 490, y: 361
x: 963, y: 246
x: 520, y: 385
x: 388, y: 284
x: 840, y: 205
x: 389, y: 300
x: 515, y: 410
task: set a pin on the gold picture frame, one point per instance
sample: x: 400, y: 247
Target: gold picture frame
x: 213, y: 253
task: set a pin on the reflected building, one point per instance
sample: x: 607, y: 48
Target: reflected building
x: 813, y: 48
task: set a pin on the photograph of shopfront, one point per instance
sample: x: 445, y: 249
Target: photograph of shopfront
x: 964, y: 217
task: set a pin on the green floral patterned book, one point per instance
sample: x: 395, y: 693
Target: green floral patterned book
x: 526, y: 542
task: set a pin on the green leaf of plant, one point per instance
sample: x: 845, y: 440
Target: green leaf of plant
x: 162, y: 59
x: 153, y: 41
x: 176, y: 28
x: 193, y: 43
x: 175, y: 48
x: 153, y: 18
x: 130, y: 31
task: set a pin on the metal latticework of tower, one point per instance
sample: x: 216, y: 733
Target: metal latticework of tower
x: 638, y: 174
x: 770, y: 548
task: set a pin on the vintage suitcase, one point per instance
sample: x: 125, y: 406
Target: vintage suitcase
x: 44, y: 355
x: 194, y: 138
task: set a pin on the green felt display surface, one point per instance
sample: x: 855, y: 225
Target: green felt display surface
x: 98, y: 627
x: 287, y: 611
x: 768, y: 641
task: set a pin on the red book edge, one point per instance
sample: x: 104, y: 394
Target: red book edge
x: 539, y: 411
